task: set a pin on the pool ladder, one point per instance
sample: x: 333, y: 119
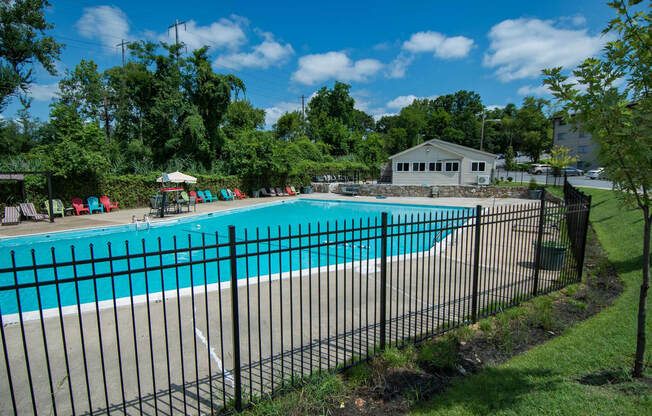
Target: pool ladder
x: 141, y: 224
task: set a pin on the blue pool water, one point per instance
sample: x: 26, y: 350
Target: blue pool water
x: 270, y: 221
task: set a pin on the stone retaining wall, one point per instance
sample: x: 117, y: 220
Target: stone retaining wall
x: 454, y: 191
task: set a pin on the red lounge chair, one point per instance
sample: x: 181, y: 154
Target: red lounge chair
x: 239, y: 195
x: 108, y: 205
x: 198, y: 198
x: 289, y: 191
x: 79, y: 206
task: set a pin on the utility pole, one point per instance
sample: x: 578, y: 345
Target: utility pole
x: 484, y: 118
x: 303, y: 107
x: 107, y: 121
x: 176, y: 33
x: 123, y: 44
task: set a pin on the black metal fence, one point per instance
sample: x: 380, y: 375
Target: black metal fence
x: 211, y: 327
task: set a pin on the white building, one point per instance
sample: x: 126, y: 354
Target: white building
x: 437, y: 162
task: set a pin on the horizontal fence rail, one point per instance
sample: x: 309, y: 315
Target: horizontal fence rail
x: 210, y: 323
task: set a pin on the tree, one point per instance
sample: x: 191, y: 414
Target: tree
x: 509, y: 159
x: 241, y: 115
x: 22, y: 42
x: 290, y: 126
x: 560, y: 158
x: 620, y: 121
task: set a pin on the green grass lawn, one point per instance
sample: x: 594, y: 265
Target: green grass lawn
x: 544, y: 379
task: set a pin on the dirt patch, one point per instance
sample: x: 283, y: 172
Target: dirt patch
x: 394, y: 391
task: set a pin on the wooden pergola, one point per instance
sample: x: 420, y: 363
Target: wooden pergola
x: 20, y: 177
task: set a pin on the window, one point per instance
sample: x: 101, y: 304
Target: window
x: 418, y: 166
x: 434, y: 166
x: 452, y: 166
x: 581, y: 149
x: 402, y: 167
x: 561, y: 136
x: 477, y: 166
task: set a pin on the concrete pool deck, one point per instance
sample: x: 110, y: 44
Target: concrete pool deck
x: 122, y: 217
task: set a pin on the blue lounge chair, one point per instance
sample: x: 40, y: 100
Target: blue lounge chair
x: 201, y: 195
x: 94, y: 204
x: 225, y: 195
x: 208, y: 196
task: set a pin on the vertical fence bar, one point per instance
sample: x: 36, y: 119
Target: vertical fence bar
x: 476, y: 263
x: 236, y: 321
x: 586, y: 210
x: 537, y: 252
x: 383, y: 281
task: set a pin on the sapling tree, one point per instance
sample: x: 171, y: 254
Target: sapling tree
x: 620, y: 121
x: 560, y: 158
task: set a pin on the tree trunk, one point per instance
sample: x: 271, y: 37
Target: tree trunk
x: 639, y: 362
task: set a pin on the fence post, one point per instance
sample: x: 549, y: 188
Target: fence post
x: 537, y: 251
x: 476, y: 263
x: 585, y: 230
x: 235, y: 318
x: 383, y: 281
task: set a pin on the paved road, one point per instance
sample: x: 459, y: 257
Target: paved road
x: 574, y: 180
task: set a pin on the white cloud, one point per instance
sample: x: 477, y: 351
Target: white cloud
x: 224, y: 33
x: 266, y: 54
x: 405, y: 100
x: 43, y: 92
x: 334, y: 65
x: 272, y: 114
x: 494, y: 107
x: 398, y: 67
x: 540, y: 90
x: 441, y: 45
x: 107, y: 23
x: 521, y: 48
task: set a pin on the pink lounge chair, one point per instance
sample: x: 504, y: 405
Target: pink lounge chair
x: 289, y: 191
x: 108, y: 205
x: 79, y: 206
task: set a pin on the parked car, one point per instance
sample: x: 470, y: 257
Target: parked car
x: 539, y: 169
x: 596, y: 173
x: 572, y: 172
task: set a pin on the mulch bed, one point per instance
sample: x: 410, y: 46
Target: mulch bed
x: 395, y: 391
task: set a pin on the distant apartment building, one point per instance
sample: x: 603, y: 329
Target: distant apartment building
x: 580, y: 143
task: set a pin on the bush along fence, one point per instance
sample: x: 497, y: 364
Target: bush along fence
x: 211, y: 323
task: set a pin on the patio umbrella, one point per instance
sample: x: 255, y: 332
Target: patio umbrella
x: 177, y: 177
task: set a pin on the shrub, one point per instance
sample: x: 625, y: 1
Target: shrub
x: 439, y: 355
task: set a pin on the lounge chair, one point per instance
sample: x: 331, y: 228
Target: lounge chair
x: 200, y: 194
x: 198, y: 197
x: 272, y: 192
x: 280, y: 193
x: 79, y: 206
x: 57, y: 207
x: 208, y: 196
x: 263, y: 192
x: 225, y: 195
x: 94, y: 204
x: 28, y: 211
x: 107, y: 204
x: 11, y: 217
x: 239, y: 195
x: 289, y: 191
x: 294, y: 190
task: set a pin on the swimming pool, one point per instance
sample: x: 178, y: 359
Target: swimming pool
x: 274, y: 226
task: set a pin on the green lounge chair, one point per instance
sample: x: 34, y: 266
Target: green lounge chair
x: 57, y: 207
x: 294, y: 190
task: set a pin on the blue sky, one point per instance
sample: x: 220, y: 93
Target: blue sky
x: 389, y: 51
